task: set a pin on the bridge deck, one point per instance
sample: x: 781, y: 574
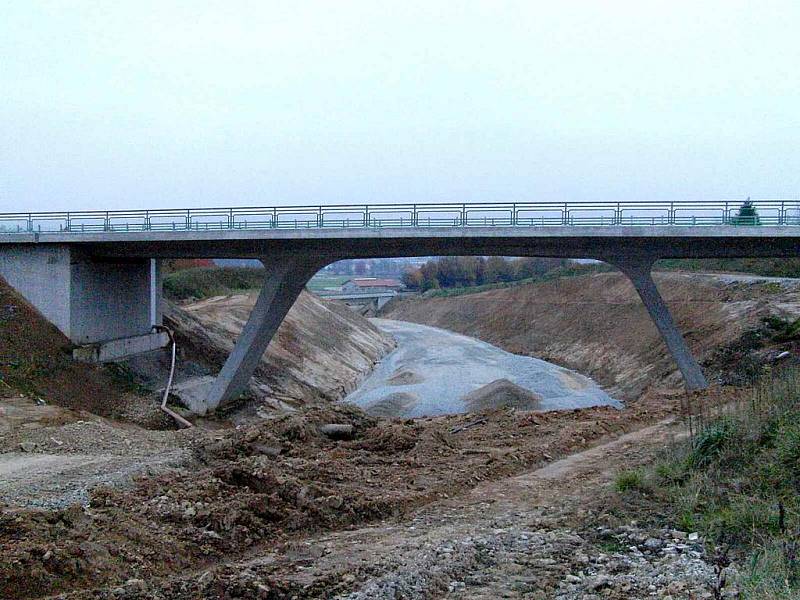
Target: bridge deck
x: 667, y: 241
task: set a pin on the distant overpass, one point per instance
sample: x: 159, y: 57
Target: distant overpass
x: 96, y: 274
x: 375, y: 300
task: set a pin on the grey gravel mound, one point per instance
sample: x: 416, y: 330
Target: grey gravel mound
x: 393, y: 404
x: 502, y: 392
x: 405, y: 377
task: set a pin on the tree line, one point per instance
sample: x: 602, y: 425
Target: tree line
x: 467, y: 271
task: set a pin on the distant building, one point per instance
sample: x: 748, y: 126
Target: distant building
x: 371, y: 285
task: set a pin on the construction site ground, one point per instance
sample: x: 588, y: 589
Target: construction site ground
x: 280, y: 510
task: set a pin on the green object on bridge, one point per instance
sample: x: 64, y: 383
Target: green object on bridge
x: 748, y: 215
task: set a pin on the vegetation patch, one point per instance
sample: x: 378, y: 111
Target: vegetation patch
x: 205, y: 282
x: 736, y: 480
x: 630, y: 480
x: 767, y: 267
x: 516, y: 272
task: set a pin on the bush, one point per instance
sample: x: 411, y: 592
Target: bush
x: 211, y: 281
x: 747, y: 215
x: 711, y: 443
x: 630, y: 480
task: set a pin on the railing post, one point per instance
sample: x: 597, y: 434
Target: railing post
x: 107, y: 224
x: 782, y: 215
x: 230, y: 218
x: 414, y: 216
x: 513, y: 214
x: 366, y: 215
x: 565, y: 215
x: 672, y: 213
x: 464, y: 214
x: 188, y: 219
x: 68, y: 222
x: 275, y: 216
x: 319, y: 217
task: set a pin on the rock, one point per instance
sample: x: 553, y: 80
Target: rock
x: 28, y: 446
x: 679, y: 535
x: 599, y: 582
x: 694, y: 537
x: 137, y: 584
x: 266, y: 450
x: 653, y: 544
x: 338, y: 431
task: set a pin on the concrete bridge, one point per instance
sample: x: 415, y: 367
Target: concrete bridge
x: 367, y: 300
x: 96, y: 275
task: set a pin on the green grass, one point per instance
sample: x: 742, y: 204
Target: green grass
x: 319, y: 282
x: 206, y: 282
x: 768, y: 267
x: 630, y: 480
x: 737, y: 481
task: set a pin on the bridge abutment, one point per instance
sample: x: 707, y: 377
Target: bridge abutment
x: 110, y: 304
x: 639, y: 270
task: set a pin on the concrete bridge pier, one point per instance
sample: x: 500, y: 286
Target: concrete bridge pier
x: 105, y: 306
x: 284, y: 279
x: 638, y: 270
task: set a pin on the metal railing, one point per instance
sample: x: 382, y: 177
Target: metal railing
x: 494, y: 214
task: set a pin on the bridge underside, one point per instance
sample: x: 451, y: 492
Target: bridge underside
x: 292, y: 258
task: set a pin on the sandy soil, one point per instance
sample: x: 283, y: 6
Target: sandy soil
x: 51, y: 456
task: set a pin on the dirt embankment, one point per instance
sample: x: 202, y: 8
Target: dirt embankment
x: 321, y: 351
x: 597, y: 325
x: 36, y: 360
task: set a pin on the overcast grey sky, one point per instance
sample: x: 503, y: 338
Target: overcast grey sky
x: 200, y: 103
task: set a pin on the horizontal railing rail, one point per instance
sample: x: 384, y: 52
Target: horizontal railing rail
x: 343, y: 216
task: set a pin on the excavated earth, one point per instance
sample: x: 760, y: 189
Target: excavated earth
x: 245, y: 517
x: 320, y: 353
x: 501, y: 503
x: 597, y: 325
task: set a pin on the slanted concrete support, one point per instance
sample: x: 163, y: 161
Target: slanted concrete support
x: 638, y: 271
x: 284, y: 280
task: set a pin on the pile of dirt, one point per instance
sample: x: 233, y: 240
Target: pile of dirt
x: 405, y: 377
x: 36, y: 360
x: 597, y: 325
x: 320, y: 353
x: 393, y: 404
x: 264, y: 488
x: 499, y: 393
